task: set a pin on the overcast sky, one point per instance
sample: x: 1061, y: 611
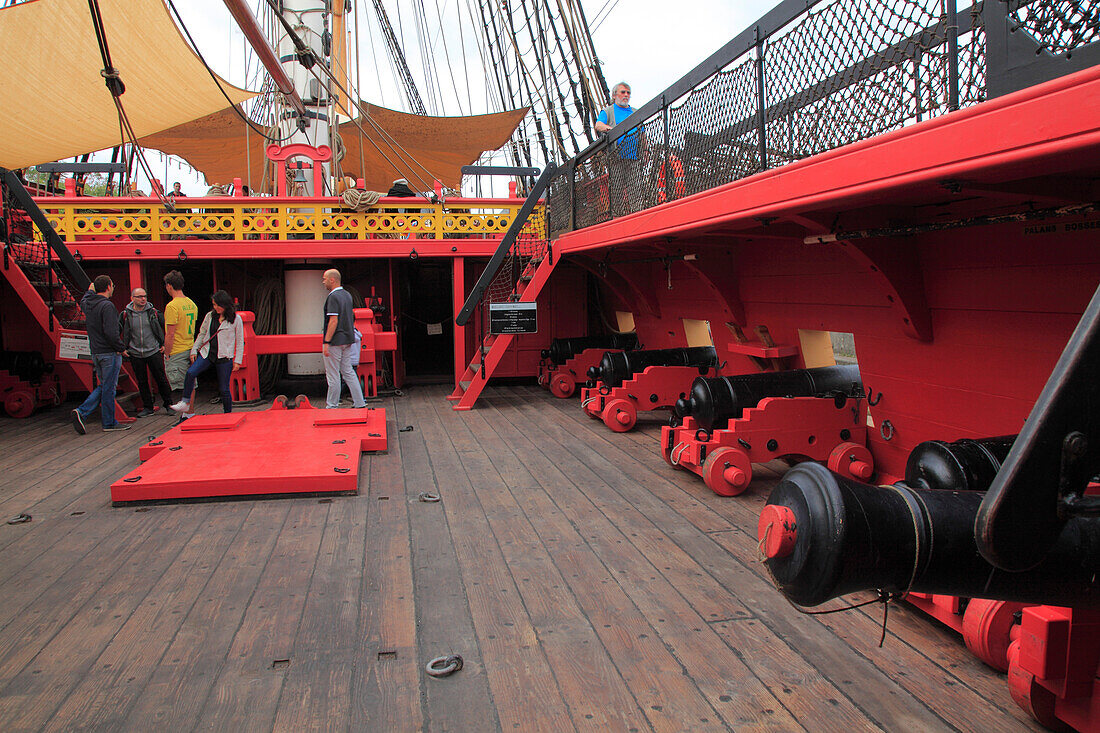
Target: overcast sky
x: 648, y: 43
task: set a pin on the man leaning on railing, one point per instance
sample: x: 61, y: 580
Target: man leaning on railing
x: 624, y: 168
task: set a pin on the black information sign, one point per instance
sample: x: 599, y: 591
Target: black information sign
x: 513, y: 318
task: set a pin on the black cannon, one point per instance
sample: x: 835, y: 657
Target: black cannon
x: 562, y: 350
x: 965, y: 465
x: 617, y: 367
x: 825, y: 535
x: 715, y: 400
x: 29, y: 366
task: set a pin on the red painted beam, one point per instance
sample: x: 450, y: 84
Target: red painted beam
x: 274, y: 249
x: 1044, y: 129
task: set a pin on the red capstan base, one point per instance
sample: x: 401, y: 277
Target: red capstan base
x: 562, y: 379
x: 817, y: 428
x: 656, y: 388
x: 273, y: 451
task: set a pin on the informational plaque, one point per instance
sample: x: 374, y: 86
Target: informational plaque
x: 74, y: 346
x: 513, y: 318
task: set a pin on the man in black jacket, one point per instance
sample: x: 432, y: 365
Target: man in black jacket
x: 106, y: 348
x: 142, y: 329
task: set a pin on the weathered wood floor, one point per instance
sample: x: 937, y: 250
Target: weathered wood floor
x: 586, y: 584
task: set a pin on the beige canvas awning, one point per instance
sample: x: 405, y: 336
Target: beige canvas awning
x: 390, y: 145
x: 55, y: 101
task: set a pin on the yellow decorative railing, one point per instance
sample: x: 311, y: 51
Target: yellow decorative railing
x: 89, y: 219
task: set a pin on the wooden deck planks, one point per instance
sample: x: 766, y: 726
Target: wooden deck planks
x: 109, y: 688
x: 521, y: 680
x: 572, y: 647
x: 587, y: 584
x: 386, y: 689
x: 861, y: 629
x: 443, y: 619
x: 178, y: 690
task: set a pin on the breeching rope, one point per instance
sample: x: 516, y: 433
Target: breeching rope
x: 883, y: 597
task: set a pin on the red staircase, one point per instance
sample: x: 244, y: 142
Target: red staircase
x: 45, y: 276
x: 534, y: 275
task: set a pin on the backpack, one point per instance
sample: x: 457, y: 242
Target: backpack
x: 356, y: 346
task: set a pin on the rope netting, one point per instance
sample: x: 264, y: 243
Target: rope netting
x: 841, y: 72
x: 52, y: 282
x: 519, y: 264
x: 1060, y: 26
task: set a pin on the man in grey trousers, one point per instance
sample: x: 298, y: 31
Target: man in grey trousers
x: 339, y: 341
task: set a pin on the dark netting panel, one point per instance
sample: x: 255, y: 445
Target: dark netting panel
x: 1058, y: 25
x: 850, y: 71
x: 972, y: 76
x: 712, y: 134
x: 591, y: 196
x: 560, y: 193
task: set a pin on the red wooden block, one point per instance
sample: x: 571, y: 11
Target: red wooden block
x: 275, y: 451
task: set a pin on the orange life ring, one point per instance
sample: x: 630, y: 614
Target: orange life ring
x: 679, y: 189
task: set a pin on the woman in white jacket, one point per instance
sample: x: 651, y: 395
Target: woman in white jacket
x: 219, y: 343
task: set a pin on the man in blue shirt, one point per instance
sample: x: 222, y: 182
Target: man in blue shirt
x: 620, y: 110
x: 625, y: 172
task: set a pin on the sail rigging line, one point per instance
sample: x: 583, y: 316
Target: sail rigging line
x: 589, y: 96
x: 450, y: 66
x: 390, y: 142
x: 356, y: 122
x: 462, y: 46
x: 525, y: 77
x: 248, y: 121
x: 499, y: 63
x: 113, y: 81
x: 309, y: 62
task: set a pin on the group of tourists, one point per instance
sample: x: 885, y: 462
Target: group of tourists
x: 167, y: 347
x: 164, y: 346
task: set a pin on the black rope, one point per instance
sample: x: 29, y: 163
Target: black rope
x: 248, y: 121
x: 117, y: 88
x: 110, y: 73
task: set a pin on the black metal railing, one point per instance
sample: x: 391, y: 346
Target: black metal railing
x: 812, y: 76
x: 526, y: 241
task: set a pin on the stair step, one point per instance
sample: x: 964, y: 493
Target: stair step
x: 475, y: 368
x: 62, y: 303
x: 29, y: 264
x: 465, y: 384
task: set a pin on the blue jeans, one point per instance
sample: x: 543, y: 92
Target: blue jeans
x: 200, y: 365
x: 107, y: 367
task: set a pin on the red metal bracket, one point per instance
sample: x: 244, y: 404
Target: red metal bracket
x: 656, y: 388
x: 813, y: 427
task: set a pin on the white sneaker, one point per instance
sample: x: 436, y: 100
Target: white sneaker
x: 179, y: 406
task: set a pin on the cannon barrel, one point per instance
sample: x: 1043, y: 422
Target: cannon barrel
x: 825, y: 536
x: 29, y: 366
x: 965, y: 465
x: 562, y: 350
x: 713, y: 401
x: 618, y: 366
